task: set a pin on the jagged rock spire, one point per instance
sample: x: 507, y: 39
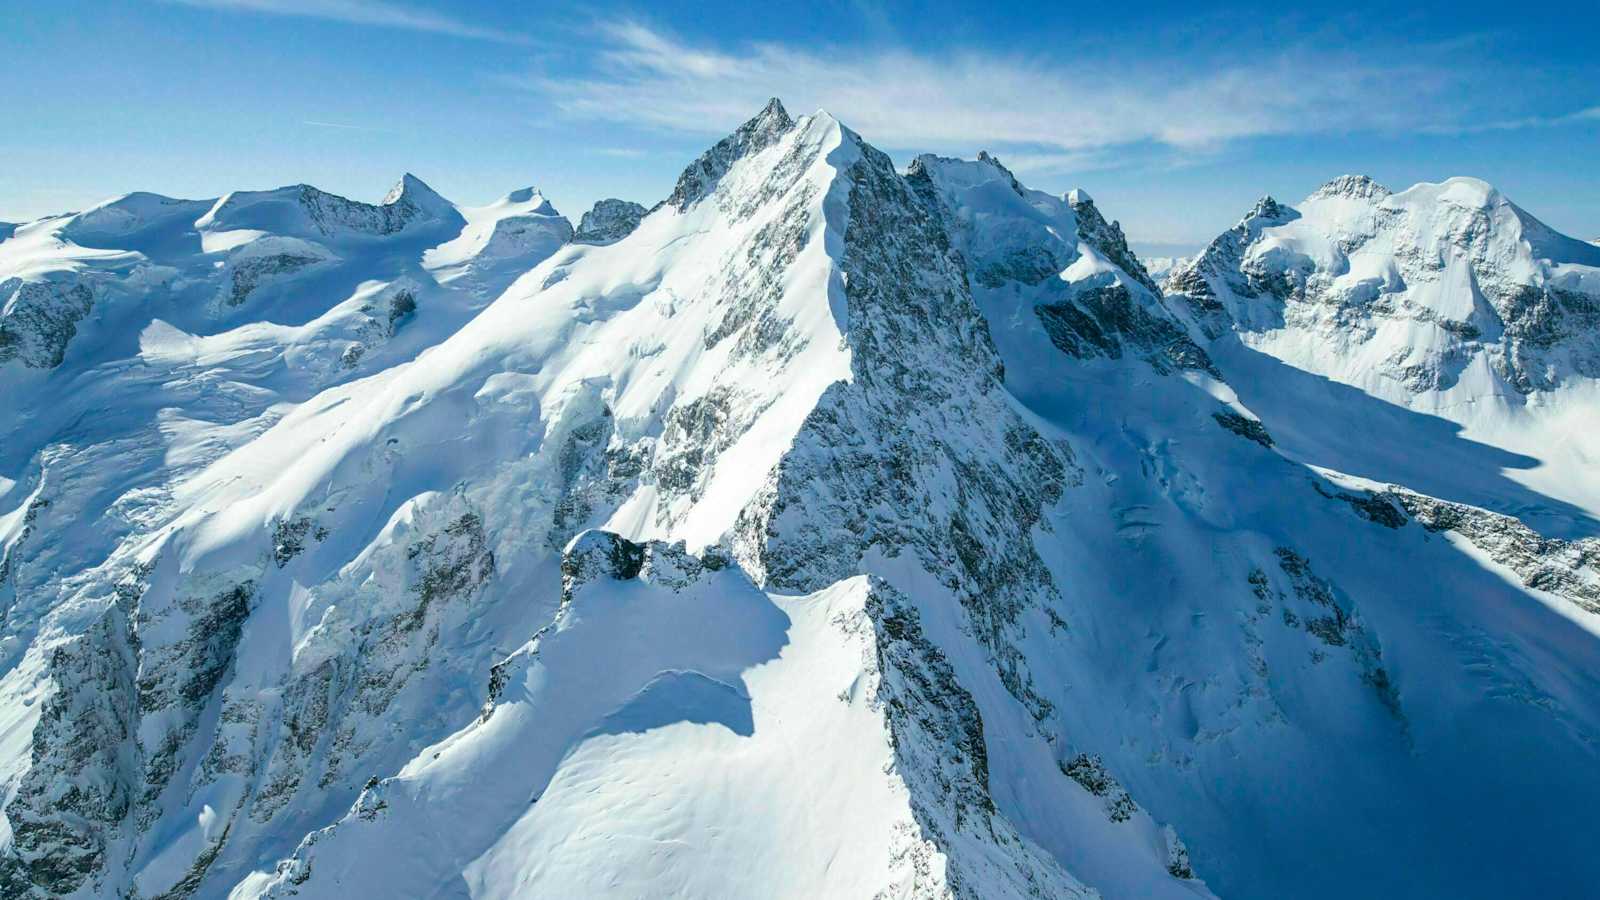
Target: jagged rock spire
x: 1267, y: 211
x: 1107, y: 237
x: 753, y: 136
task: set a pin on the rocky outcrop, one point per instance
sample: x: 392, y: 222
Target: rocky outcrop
x: 1107, y: 237
x: 608, y: 221
x: 1249, y: 429
x: 1569, y: 569
x: 1101, y: 321
x: 264, y: 262
x: 39, y: 318
x: 71, y: 805
x: 937, y: 733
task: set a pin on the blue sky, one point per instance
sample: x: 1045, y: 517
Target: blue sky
x: 1174, y: 119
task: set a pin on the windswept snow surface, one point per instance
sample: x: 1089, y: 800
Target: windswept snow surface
x: 826, y: 530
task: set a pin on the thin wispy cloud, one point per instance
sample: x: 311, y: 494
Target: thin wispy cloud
x: 1581, y: 117
x: 338, y: 126
x: 1064, y: 111
x: 378, y: 13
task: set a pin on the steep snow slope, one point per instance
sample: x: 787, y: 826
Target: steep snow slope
x: 828, y: 531
x: 500, y: 239
x: 1274, y: 659
x: 1446, y: 300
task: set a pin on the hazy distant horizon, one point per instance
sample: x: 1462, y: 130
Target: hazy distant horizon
x: 1174, y: 121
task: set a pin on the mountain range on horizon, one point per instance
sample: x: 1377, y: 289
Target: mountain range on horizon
x: 827, y: 528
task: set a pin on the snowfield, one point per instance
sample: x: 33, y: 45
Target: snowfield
x: 823, y: 530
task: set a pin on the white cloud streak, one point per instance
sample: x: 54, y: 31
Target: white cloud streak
x: 1581, y: 117
x: 338, y: 126
x: 1063, y: 112
x: 379, y: 13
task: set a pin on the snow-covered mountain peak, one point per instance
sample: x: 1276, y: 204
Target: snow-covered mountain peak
x: 772, y: 120
x: 1461, y: 191
x: 1446, y: 298
x: 1267, y: 211
x: 755, y: 135
x: 128, y: 213
x: 528, y: 199
x: 306, y: 211
x: 412, y: 190
x: 1457, y: 259
x: 1358, y: 187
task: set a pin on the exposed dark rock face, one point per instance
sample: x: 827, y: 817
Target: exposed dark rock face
x: 1568, y: 569
x: 1177, y: 855
x: 1100, y: 321
x: 1089, y: 771
x: 40, y: 318
x: 597, y: 554
x: 1249, y: 429
x: 907, y: 298
x: 330, y: 709
x: 1329, y: 615
x: 608, y: 221
x: 1377, y: 508
x: 71, y: 805
x: 752, y: 137
x: 1107, y: 237
x: 936, y: 730
x: 249, y: 273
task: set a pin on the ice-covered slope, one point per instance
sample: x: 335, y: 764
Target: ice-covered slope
x: 829, y: 531
x: 1446, y: 301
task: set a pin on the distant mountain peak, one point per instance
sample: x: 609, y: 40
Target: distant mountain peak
x: 413, y: 190
x: 1268, y: 209
x: 1356, y: 187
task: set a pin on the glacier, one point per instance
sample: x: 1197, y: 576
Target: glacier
x: 827, y: 529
